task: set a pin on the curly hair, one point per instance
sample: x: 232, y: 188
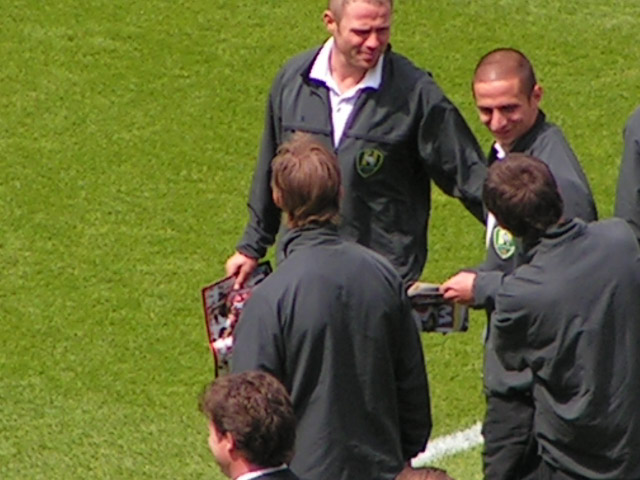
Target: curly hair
x: 256, y: 410
x: 425, y: 473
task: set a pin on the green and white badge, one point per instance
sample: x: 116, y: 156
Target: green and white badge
x: 369, y: 161
x: 503, y: 243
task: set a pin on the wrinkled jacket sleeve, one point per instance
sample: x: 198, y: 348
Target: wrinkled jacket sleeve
x: 258, y: 343
x: 414, y: 406
x: 264, y: 216
x: 485, y: 286
x: 510, y: 448
x: 510, y: 329
x: 628, y: 191
x: 451, y: 153
x: 491, y: 274
x: 510, y: 451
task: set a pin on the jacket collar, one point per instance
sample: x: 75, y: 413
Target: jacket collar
x: 558, y: 234
x: 309, y: 235
x: 525, y: 142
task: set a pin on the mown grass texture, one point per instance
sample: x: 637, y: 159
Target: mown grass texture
x: 128, y: 133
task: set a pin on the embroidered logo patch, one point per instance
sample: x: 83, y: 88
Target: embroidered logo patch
x: 369, y: 161
x: 503, y: 243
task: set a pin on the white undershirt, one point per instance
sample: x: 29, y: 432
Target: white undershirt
x: 491, y: 220
x: 258, y: 473
x: 342, y: 103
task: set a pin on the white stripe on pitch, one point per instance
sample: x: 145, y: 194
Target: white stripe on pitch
x: 448, y: 445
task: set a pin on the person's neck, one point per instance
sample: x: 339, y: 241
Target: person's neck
x: 240, y: 467
x: 345, y: 75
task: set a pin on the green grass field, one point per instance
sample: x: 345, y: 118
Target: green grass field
x: 128, y: 134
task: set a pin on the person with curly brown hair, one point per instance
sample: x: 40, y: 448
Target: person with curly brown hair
x: 252, y: 427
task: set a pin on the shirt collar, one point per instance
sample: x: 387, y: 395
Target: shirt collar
x: 259, y: 473
x: 321, y: 71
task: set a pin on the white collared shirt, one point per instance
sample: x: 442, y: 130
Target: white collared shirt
x: 342, y: 103
x: 258, y: 473
x: 491, y: 220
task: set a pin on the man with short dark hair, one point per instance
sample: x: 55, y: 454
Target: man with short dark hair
x: 393, y: 131
x: 507, y: 98
x: 628, y: 191
x: 523, y: 195
x: 252, y: 427
x: 568, y: 318
x: 334, y: 324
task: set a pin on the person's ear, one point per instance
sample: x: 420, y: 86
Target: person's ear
x: 536, y: 94
x: 330, y: 22
x: 230, y: 446
x: 276, y: 194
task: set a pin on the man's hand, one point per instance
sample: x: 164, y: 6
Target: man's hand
x: 242, y: 266
x: 459, y: 288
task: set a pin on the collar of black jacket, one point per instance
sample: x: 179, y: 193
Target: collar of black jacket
x: 525, y: 142
x: 309, y: 235
x: 559, y: 233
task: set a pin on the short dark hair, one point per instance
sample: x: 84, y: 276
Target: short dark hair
x: 503, y: 63
x: 336, y: 6
x: 425, y: 473
x: 256, y: 410
x: 523, y: 195
x: 307, y: 176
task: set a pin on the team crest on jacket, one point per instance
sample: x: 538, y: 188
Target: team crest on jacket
x: 369, y: 161
x: 503, y: 243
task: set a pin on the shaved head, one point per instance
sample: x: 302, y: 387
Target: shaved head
x: 336, y: 6
x: 504, y: 64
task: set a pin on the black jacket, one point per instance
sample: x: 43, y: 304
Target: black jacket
x: 334, y: 325
x: 546, y: 142
x: 628, y: 192
x: 510, y: 449
x: 570, y: 317
x: 398, y: 139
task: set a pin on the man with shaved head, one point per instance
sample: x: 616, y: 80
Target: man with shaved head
x: 508, y: 97
x: 392, y: 128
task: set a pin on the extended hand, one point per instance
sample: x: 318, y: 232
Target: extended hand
x: 242, y: 266
x: 459, y: 288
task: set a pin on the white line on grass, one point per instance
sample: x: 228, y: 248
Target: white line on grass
x: 449, y: 445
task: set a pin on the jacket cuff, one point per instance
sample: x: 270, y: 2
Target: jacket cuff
x: 485, y: 288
